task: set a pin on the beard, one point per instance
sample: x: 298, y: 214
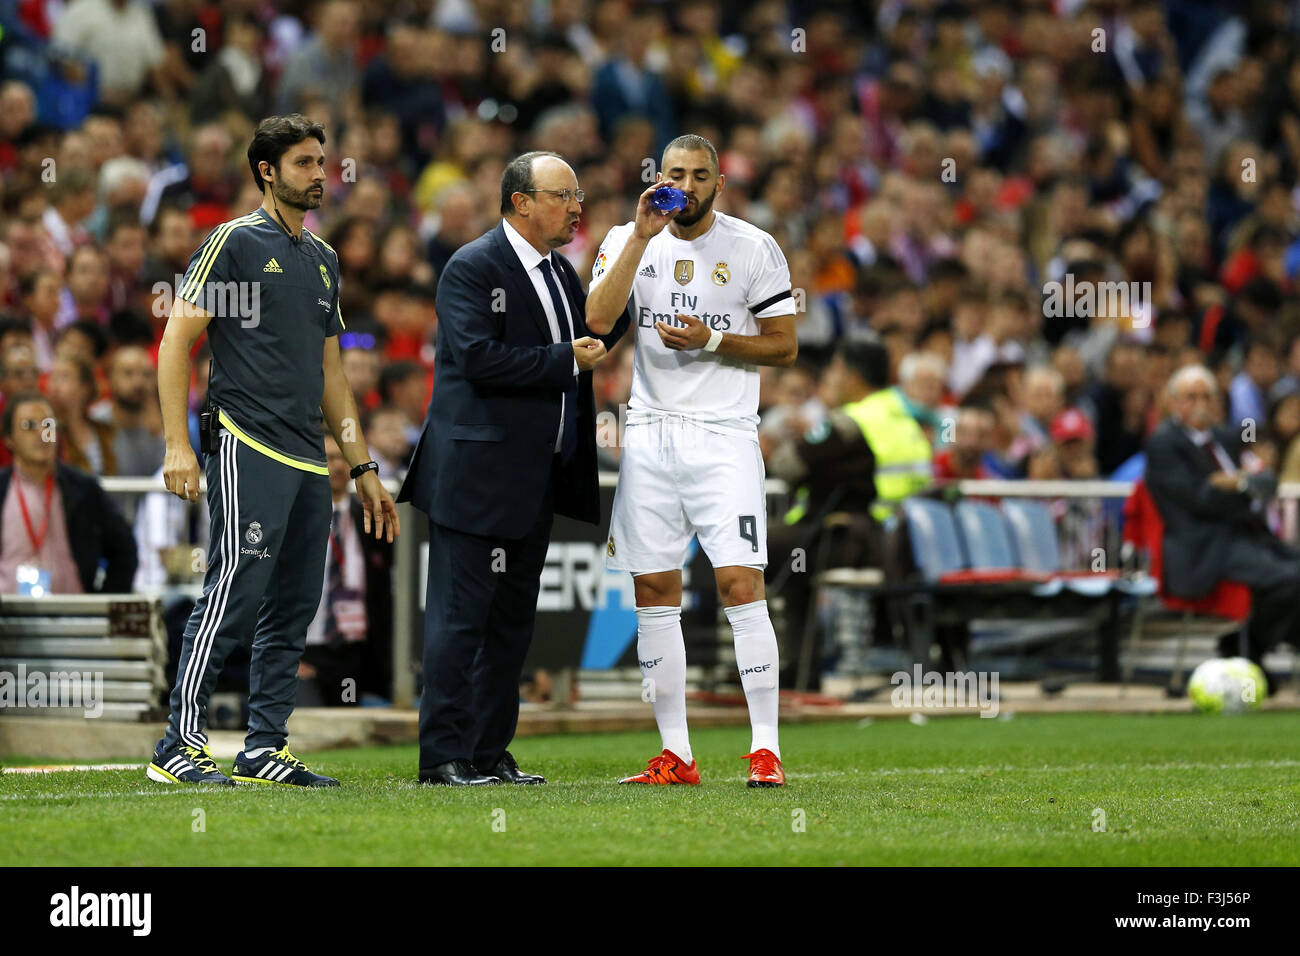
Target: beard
x: 297, y: 198
x: 686, y: 218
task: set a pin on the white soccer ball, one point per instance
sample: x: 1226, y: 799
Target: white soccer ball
x: 1227, y: 686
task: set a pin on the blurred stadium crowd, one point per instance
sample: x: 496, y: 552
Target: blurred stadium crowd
x: 928, y: 168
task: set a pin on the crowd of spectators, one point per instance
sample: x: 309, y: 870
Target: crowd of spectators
x: 929, y: 169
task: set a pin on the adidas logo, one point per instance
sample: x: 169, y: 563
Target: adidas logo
x: 272, y: 266
x: 648, y: 272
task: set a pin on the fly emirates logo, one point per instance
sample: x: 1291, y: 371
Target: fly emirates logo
x: 688, y: 304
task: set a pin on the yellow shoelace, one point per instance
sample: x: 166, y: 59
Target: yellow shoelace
x: 283, y: 754
x: 202, y: 759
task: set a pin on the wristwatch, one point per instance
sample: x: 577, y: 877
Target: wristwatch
x: 362, y: 468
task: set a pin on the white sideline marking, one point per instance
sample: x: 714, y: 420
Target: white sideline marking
x: 56, y: 768
x: 98, y: 796
x: 794, y: 776
x: 1081, y: 768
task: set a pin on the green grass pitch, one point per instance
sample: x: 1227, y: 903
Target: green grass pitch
x: 1179, y: 789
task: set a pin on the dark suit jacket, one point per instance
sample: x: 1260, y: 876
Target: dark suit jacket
x: 96, y: 529
x: 489, y: 435
x: 1197, y: 517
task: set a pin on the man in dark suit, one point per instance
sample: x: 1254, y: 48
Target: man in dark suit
x: 1212, y: 513
x: 509, y: 440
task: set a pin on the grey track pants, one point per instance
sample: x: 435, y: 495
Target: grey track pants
x: 270, y: 528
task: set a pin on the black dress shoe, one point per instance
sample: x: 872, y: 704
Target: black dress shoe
x: 507, y: 771
x: 456, y: 773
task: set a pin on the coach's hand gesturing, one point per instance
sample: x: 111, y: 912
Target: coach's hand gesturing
x: 181, y: 470
x: 588, y: 352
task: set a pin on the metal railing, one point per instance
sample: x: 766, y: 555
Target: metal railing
x: 1089, y: 516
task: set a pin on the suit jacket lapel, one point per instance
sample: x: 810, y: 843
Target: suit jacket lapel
x: 523, y: 290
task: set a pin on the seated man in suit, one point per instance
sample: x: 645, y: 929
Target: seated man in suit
x: 1212, y: 508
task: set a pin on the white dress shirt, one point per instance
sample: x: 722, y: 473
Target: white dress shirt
x: 531, y: 259
x: 1205, y: 437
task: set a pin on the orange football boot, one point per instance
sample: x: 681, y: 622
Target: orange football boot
x: 666, y: 768
x: 765, y: 769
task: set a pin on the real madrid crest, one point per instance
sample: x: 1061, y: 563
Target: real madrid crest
x: 609, y: 550
x: 721, y: 274
x: 324, y: 276
x: 254, y: 532
x: 684, y: 271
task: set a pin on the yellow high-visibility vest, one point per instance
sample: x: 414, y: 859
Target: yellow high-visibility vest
x: 901, y: 450
x: 899, y: 446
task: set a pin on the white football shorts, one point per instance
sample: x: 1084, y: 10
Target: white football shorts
x: 676, y: 480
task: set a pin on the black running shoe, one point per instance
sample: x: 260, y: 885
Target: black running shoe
x: 182, y: 763
x: 278, y: 766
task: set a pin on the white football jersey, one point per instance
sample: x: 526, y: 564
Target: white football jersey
x: 732, y: 275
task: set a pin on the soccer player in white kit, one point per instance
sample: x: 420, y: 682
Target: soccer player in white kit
x: 711, y: 299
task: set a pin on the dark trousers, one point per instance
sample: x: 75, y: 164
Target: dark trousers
x: 270, y: 525
x: 861, y: 545
x: 1271, y: 570
x: 480, y: 608
x: 334, y: 665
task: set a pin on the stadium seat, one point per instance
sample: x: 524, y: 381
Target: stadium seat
x: 1033, y: 534
x: 988, y: 546
x: 941, y: 553
x: 969, y: 555
x: 1144, y: 529
x: 1223, y: 610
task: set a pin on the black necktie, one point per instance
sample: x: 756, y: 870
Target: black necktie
x: 569, y: 442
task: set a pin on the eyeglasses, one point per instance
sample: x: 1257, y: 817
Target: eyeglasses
x: 564, y: 194
x: 30, y: 424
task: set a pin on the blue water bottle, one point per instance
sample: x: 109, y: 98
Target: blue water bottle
x: 669, y: 199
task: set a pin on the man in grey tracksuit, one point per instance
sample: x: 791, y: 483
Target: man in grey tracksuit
x: 266, y: 291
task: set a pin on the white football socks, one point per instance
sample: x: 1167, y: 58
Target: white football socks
x: 756, y: 658
x: 661, y: 651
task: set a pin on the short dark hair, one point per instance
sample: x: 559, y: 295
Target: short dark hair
x: 394, y: 374
x: 125, y: 219
x: 1262, y: 293
x: 692, y: 142
x: 164, y: 210
x: 949, y: 268
x: 870, y: 360
x: 85, y: 373
x: 518, y: 177
x: 129, y: 327
x: 10, y: 324
x: 276, y: 134
x: 7, y: 421
x: 27, y: 282
x: 92, y: 330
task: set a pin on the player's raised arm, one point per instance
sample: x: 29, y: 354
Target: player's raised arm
x: 608, y: 295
